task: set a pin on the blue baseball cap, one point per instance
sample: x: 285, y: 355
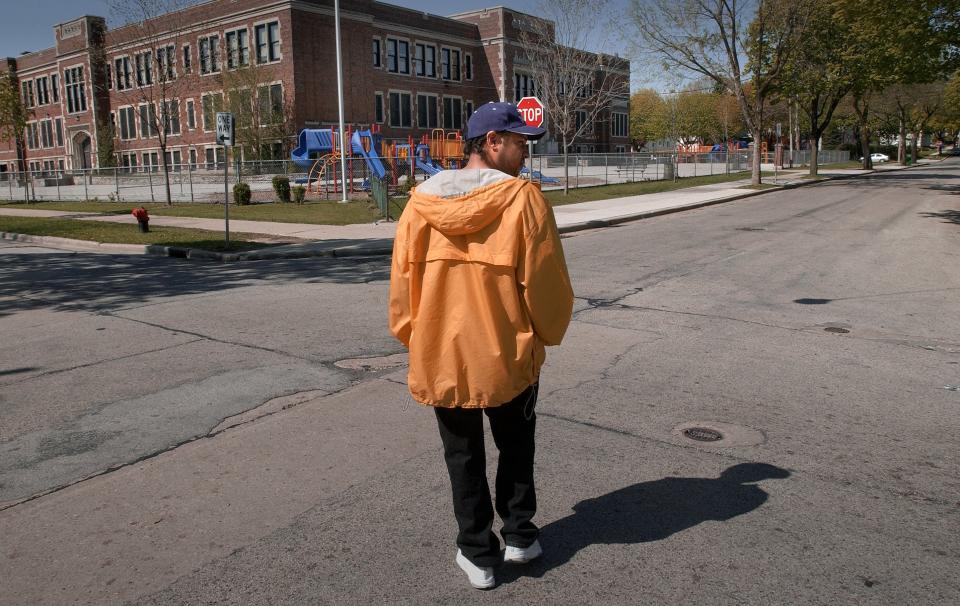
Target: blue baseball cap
x: 500, y: 117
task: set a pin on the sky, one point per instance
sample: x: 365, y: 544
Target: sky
x: 28, y: 25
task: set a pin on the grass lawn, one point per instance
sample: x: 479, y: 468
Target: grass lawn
x: 620, y: 190
x: 363, y: 211
x: 101, y: 231
x: 321, y: 213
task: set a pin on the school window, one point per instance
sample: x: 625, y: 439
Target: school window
x: 166, y: 57
x: 151, y: 162
x: 214, y: 157
x: 376, y: 52
x: 523, y: 86
x: 469, y: 108
x: 619, y: 125
x: 26, y: 88
x: 193, y: 158
x: 55, y: 87
x: 144, y: 69
x: 46, y: 133
x: 209, y: 62
x: 122, y: 72
x: 75, y: 93
x: 398, y: 56
x: 191, y: 116
x: 378, y: 108
x: 211, y: 105
x: 59, y: 126
x: 270, y: 99
x: 427, y: 111
x: 452, y: 113
x: 187, y: 65
x: 449, y: 64
x: 43, y: 94
x: 148, y: 121
x: 425, y: 60
x: 400, y: 110
x: 171, y: 117
x: 581, y: 119
x: 468, y: 66
x: 128, y: 129
x: 238, y: 49
x: 129, y: 162
x: 268, y: 41
x: 174, y: 159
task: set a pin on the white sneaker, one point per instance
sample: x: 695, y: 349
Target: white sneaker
x: 480, y: 578
x: 522, y: 555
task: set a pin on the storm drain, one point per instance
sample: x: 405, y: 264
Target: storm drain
x: 717, y: 434
x: 836, y: 329
x: 702, y: 434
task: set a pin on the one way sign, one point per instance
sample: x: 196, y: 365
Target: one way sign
x: 224, y: 128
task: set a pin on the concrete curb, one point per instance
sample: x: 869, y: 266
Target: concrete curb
x: 77, y: 245
x: 301, y: 251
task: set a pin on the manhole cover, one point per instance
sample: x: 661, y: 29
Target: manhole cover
x: 836, y: 329
x: 702, y: 434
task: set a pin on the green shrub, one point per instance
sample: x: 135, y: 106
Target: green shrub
x: 299, y: 193
x: 281, y: 185
x: 241, y: 194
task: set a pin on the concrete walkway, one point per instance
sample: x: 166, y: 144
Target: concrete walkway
x: 377, y: 238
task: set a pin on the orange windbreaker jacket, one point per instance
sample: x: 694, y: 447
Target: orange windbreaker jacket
x: 478, y: 286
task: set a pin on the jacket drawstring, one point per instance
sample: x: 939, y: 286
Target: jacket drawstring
x: 531, y: 399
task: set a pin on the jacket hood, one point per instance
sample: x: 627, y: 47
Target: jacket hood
x: 447, y: 202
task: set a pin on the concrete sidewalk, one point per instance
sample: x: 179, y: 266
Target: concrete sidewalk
x: 371, y: 239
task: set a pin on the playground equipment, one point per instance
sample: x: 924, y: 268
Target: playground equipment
x: 318, y: 153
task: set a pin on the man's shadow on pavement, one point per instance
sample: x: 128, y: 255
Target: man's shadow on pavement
x: 648, y: 511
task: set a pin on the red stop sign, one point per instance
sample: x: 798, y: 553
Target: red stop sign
x: 532, y: 111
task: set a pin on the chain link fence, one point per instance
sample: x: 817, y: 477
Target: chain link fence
x: 371, y: 177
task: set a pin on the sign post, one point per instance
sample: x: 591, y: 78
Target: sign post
x: 531, y: 109
x: 225, y: 138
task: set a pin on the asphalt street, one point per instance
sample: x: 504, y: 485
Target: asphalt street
x: 177, y: 431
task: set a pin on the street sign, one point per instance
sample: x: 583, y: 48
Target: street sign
x: 224, y: 128
x: 532, y: 111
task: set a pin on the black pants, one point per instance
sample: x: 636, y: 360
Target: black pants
x: 512, y: 425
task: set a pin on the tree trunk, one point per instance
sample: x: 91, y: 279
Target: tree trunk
x: 755, y: 170
x: 914, y: 147
x: 865, y: 146
x: 814, y: 152
x: 566, y: 168
x: 757, y: 127
x: 902, y: 140
x: 166, y: 173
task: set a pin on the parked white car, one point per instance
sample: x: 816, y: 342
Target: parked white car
x: 878, y: 157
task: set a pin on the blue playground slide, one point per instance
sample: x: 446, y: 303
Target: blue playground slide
x: 371, y: 157
x: 318, y: 141
x: 428, y: 167
x: 539, y: 176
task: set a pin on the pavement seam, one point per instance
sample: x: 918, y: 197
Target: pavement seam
x: 212, y: 433
x: 209, y: 338
x: 98, y: 362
